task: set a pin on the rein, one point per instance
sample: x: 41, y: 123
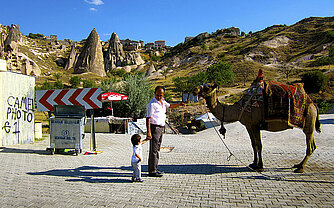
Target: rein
x: 222, y: 139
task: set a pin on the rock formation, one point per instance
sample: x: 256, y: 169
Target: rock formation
x: 13, y: 38
x: 133, y: 58
x: 3, y: 32
x: 71, y: 59
x: 91, y: 57
x: 116, y: 57
x: 150, y: 71
x: 28, y: 66
x: 115, y: 54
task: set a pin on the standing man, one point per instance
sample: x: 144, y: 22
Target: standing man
x: 155, y: 122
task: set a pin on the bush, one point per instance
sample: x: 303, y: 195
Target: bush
x: 330, y: 34
x: 118, y: 72
x: 156, y: 58
x: 35, y: 36
x: 314, y: 81
x: 88, y: 84
x: 75, y: 81
x: 322, y: 61
x: 58, y: 84
x: 324, y: 107
x: 46, y: 86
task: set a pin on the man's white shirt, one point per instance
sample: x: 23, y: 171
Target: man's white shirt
x: 157, y: 111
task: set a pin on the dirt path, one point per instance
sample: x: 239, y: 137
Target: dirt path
x: 232, y: 91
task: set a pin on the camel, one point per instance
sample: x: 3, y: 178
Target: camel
x: 253, y: 121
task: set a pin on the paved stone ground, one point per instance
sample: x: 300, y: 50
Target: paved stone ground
x: 197, y: 173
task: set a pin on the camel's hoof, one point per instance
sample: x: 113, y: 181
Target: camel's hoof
x: 253, y: 166
x: 256, y: 168
x: 299, y: 166
x: 299, y: 170
x: 259, y: 170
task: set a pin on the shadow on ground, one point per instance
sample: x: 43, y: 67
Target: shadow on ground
x: 23, y: 151
x: 31, y: 151
x: 301, y: 178
x: 94, y: 174
x: 327, y: 121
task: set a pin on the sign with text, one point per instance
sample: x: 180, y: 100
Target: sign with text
x: 17, y: 101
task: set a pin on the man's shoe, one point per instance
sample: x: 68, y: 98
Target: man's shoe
x: 156, y: 174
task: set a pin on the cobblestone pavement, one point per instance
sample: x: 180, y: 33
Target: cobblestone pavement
x: 197, y: 173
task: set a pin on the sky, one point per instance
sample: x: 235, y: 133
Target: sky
x: 151, y: 20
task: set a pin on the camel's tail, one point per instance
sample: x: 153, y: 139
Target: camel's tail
x: 317, y: 122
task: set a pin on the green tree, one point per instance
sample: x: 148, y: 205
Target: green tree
x: 287, y: 70
x: 139, y: 91
x: 220, y: 73
x: 109, y: 85
x: 182, y: 84
x: 246, y: 70
x: 75, y: 81
x: 188, y: 84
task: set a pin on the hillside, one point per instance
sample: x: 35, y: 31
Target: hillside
x: 297, y: 47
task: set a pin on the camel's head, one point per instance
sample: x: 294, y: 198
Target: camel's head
x: 204, y: 90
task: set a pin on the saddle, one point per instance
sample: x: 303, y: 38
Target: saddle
x: 285, y: 102
x: 280, y: 102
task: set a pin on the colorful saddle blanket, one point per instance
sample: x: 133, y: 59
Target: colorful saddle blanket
x: 286, y: 102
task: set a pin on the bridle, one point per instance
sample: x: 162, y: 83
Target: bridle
x: 209, y: 94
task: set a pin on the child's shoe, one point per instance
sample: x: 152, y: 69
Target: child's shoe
x: 138, y: 180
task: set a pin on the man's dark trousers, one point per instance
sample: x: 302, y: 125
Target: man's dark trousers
x: 155, y: 144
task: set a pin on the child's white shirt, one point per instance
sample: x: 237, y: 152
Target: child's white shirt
x: 137, y: 149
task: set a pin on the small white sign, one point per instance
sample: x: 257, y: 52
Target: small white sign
x: 138, y: 127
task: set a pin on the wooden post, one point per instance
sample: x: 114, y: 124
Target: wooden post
x: 92, y: 130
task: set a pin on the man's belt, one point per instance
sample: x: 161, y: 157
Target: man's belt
x: 157, y: 125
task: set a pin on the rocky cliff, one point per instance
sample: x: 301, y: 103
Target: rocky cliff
x: 10, y: 39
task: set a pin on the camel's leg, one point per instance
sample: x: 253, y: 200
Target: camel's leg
x: 310, y: 143
x: 310, y: 147
x: 255, y: 136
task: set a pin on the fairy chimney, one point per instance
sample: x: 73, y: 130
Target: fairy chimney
x: 91, y: 57
x: 115, y: 54
x: 72, y: 58
x: 13, y: 38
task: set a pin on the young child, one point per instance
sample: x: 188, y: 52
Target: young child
x: 137, y: 157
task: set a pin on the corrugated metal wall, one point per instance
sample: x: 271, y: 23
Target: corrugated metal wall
x: 17, y: 103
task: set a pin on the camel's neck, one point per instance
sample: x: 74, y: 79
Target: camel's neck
x: 226, y: 113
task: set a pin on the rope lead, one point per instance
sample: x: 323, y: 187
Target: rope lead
x: 278, y: 178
